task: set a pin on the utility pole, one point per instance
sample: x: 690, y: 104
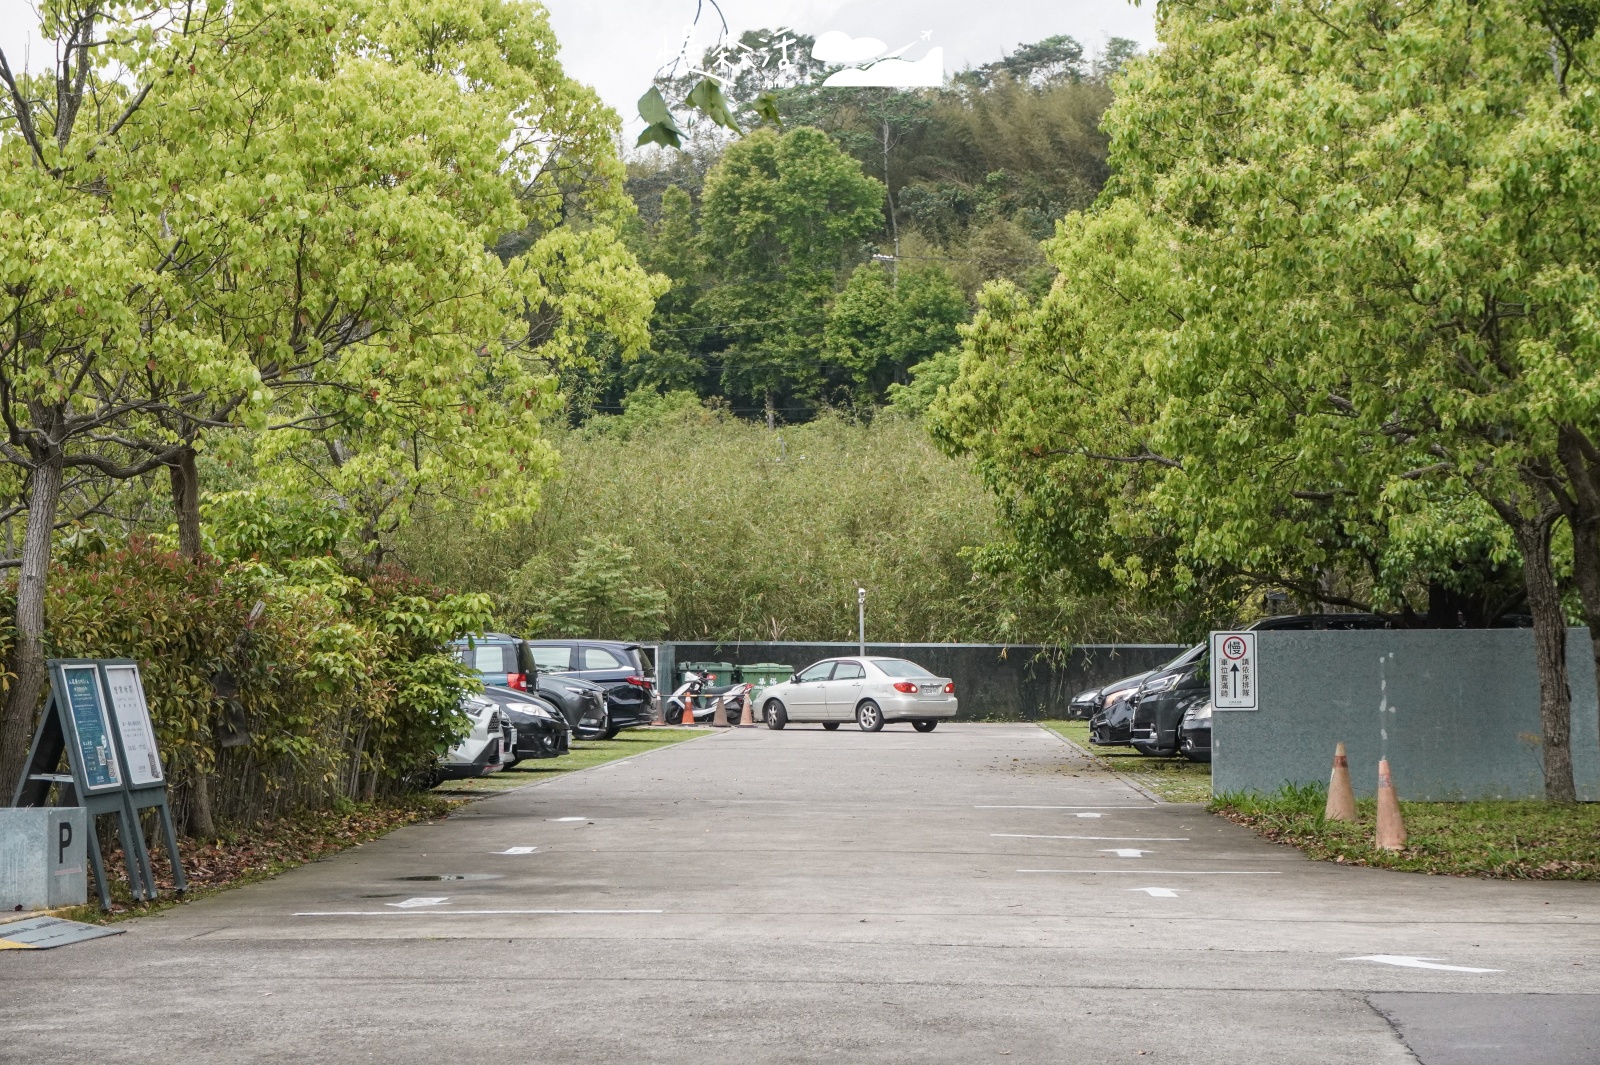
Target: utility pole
x: 861, y: 619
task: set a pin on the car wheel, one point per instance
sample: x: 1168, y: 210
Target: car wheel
x: 831, y: 726
x: 924, y: 726
x: 512, y: 764
x: 1153, y: 752
x: 869, y: 716
x: 775, y: 715
x: 611, y: 733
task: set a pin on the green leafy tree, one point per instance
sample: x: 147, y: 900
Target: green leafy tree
x: 600, y: 596
x: 886, y: 321
x: 782, y: 218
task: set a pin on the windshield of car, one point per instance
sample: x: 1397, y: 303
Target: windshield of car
x: 1184, y: 659
x: 899, y: 667
x: 819, y: 671
x: 556, y: 659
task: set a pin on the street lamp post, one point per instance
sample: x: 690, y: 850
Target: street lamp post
x: 861, y: 618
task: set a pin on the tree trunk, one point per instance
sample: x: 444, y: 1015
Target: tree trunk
x: 1550, y: 655
x: 1582, y: 508
x: 27, y: 654
x: 201, y: 821
x: 186, y: 502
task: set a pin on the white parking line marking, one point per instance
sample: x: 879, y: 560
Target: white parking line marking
x: 1164, y: 872
x: 1150, y: 807
x: 448, y: 913
x: 517, y: 850
x: 1125, y: 852
x: 1089, y: 815
x: 411, y: 904
x: 569, y: 819
x: 1406, y: 961
x: 1157, y: 892
x: 1106, y: 839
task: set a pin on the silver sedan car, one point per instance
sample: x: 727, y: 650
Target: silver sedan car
x: 869, y: 691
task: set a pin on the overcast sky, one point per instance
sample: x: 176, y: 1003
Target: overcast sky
x: 616, y: 45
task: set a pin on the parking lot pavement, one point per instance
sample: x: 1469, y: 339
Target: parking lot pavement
x: 978, y: 893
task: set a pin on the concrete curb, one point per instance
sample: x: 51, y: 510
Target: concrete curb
x: 1134, y: 784
x: 10, y: 916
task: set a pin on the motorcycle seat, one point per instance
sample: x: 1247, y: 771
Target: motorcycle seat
x: 713, y: 692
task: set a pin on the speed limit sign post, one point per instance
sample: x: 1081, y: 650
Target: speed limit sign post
x: 1233, y: 671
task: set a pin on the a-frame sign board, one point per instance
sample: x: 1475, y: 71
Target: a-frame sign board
x: 97, y: 716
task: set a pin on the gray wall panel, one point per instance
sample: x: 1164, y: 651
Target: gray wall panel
x: 1455, y: 710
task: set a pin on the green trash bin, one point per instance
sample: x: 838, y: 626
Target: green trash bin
x: 765, y: 674
x: 721, y: 672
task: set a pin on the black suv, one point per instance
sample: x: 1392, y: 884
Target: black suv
x: 597, y: 660
x: 1185, y: 682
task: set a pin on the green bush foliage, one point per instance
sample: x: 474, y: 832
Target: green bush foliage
x: 761, y: 535
x: 341, y: 688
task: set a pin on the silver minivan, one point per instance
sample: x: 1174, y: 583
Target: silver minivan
x: 868, y: 690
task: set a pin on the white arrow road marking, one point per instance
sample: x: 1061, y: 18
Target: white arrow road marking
x: 1103, y: 839
x: 1125, y: 852
x: 411, y: 904
x: 1089, y: 815
x: 1406, y: 961
x: 1157, y: 892
x: 517, y: 850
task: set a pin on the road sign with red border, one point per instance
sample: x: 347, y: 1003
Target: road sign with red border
x: 1234, y: 682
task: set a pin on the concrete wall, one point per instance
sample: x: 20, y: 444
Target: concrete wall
x: 1455, y: 710
x: 994, y: 682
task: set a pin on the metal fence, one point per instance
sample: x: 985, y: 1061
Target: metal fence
x: 994, y: 682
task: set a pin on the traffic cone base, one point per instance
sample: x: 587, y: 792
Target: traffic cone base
x: 1391, y: 826
x: 747, y: 719
x: 1341, y: 796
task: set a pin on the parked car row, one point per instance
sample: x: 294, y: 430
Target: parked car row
x: 1167, y: 711
x: 541, y: 694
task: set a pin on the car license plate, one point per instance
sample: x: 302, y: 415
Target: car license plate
x: 929, y: 689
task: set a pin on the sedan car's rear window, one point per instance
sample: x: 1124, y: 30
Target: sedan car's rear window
x: 899, y: 667
x: 490, y: 658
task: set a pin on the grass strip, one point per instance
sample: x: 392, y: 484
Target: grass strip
x: 586, y: 754
x: 1498, y: 840
x: 1174, y: 779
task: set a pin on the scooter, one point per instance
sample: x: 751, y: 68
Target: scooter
x: 696, y: 687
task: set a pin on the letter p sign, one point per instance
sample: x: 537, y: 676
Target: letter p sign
x: 63, y: 841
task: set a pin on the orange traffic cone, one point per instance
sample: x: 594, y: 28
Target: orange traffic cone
x: 747, y: 718
x: 1391, y: 826
x: 1341, y: 796
x: 719, y: 716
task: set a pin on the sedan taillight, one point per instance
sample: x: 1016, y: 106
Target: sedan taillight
x: 638, y: 682
x: 950, y: 689
x: 517, y: 681
x: 905, y: 686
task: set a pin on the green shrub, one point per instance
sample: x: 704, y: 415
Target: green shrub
x: 342, y: 687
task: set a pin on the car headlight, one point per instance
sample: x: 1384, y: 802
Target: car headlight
x: 1199, y: 715
x: 529, y: 708
x: 1156, y: 685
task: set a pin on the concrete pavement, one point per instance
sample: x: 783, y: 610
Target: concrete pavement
x: 979, y: 893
